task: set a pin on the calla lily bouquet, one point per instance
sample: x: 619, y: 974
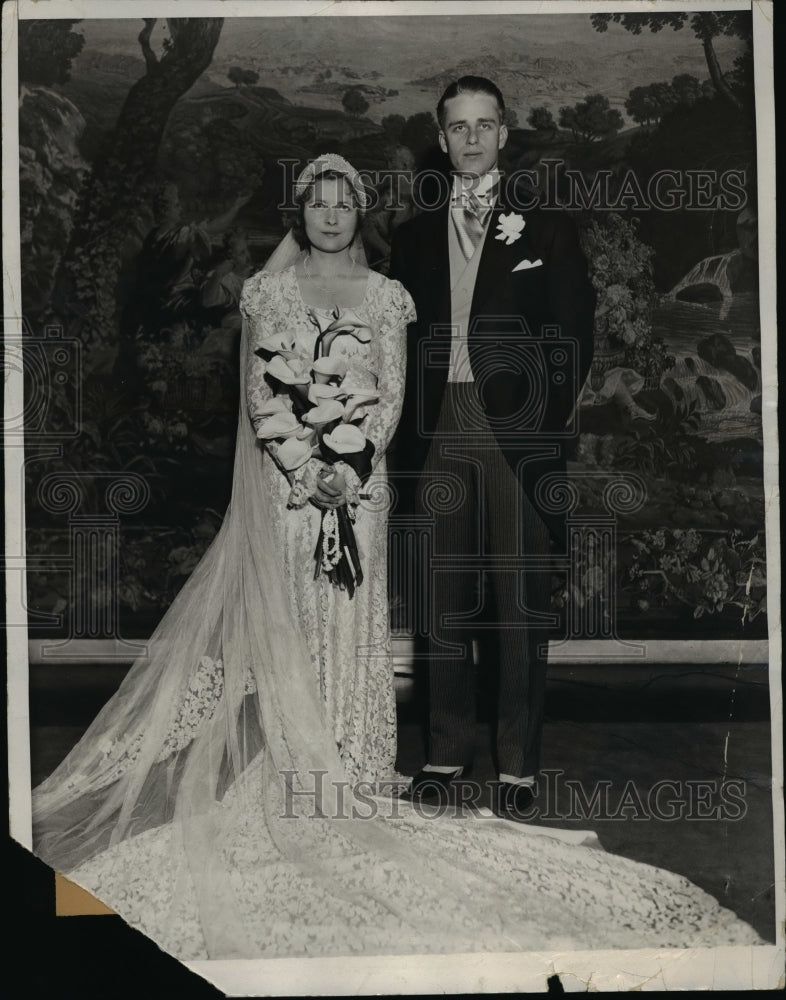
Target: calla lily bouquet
x: 322, y: 418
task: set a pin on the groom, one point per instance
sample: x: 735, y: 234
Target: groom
x: 496, y: 360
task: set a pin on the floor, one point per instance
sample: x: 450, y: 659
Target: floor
x: 615, y: 732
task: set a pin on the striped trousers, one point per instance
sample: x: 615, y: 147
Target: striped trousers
x: 483, y: 527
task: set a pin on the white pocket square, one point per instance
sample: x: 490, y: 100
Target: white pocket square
x: 525, y: 264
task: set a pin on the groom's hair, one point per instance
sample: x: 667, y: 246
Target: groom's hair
x: 470, y: 85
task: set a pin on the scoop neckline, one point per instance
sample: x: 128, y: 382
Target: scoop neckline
x: 324, y: 309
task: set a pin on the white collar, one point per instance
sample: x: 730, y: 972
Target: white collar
x: 463, y: 184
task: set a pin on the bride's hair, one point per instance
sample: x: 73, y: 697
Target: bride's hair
x: 299, y: 225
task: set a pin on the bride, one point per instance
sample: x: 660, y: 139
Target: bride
x: 346, y: 631
x: 228, y: 800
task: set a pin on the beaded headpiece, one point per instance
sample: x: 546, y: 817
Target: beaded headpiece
x: 332, y: 161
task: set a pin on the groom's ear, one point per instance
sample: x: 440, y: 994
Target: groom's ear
x: 443, y: 143
x: 503, y: 136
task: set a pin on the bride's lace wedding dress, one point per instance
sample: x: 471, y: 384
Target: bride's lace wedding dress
x: 209, y: 803
x: 348, y: 638
x: 441, y: 885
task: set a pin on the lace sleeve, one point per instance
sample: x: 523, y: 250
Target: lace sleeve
x: 398, y: 311
x: 259, y: 319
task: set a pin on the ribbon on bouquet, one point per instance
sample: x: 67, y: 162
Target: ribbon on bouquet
x: 336, y: 553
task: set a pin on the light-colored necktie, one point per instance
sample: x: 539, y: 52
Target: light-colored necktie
x: 470, y: 222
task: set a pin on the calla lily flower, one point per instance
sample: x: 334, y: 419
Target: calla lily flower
x: 344, y: 321
x: 276, y: 342
x: 348, y: 321
x: 279, y: 425
x: 329, y: 409
x: 314, y: 317
x: 354, y: 407
x: 293, y: 453
x: 345, y: 439
x: 278, y: 368
x: 276, y: 404
x: 319, y: 392
x: 307, y: 433
x: 327, y: 368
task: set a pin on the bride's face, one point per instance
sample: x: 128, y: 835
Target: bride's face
x: 330, y: 215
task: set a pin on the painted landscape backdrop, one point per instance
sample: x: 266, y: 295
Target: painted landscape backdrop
x: 150, y: 175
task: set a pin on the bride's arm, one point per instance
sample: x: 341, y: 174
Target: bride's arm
x: 383, y: 416
x: 258, y: 389
x: 259, y: 321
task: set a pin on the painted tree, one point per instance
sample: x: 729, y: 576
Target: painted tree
x: 542, y: 120
x: 420, y: 132
x: 46, y: 51
x: 394, y: 126
x: 687, y: 89
x: 354, y: 102
x: 122, y: 179
x: 647, y: 105
x: 591, y: 119
x: 706, y: 26
x: 242, y: 77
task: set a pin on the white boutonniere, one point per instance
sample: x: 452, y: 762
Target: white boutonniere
x: 510, y: 227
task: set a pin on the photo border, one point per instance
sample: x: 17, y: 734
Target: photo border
x: 478, y: 972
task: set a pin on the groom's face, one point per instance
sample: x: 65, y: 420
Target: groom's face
x: 472, y: 134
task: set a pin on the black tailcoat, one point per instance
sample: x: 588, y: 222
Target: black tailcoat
x: 530, y: 338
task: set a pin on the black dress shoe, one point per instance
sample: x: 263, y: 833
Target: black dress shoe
x: 515, y: 801
x: 431, y: 785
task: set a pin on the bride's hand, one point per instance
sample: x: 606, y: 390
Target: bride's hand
x: 330, y: 489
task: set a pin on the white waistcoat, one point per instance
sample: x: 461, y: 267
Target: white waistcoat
x: 463, y: 274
